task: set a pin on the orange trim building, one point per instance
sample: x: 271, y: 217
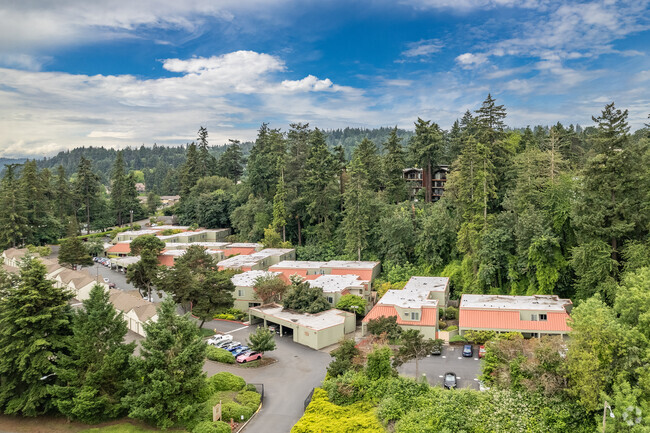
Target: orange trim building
x: 533, y: 316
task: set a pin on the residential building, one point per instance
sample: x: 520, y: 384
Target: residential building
x: 120, y: 249
x: 310, y: 270
x: 260, y: 260
x: 241, y: 248
x: 169, y: 200
x: 13, y: 256
x: 140, y: 187
x: 415, y: 181
x: 313, y: 330
x: 136, y: 311
x: 533, y: 316
x: 415, y: 306
x: 245, y: 296
x: 336, y: 286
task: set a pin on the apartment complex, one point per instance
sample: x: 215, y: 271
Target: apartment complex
x: 533, y: 316
x: 310, y: 270
x: 415, y: 181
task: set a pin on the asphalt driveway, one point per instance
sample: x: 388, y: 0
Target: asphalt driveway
x: 434, y: 367
x: 286, y: 383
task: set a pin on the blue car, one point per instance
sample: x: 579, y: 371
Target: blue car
x: 240, y: 350
x: 468, y: 351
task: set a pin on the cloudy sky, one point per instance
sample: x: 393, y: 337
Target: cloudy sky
x: 124, y: 73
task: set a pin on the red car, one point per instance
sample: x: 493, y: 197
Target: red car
x: 248, y: 356
x: 481, y: 351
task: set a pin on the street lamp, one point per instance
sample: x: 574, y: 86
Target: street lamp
x: 611, y: 414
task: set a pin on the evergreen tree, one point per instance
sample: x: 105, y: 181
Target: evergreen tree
x: 62, y: 197
x: 118, y: 190
x: 298, y: 151
x: 610, y: 205
x: 206, y: 162
x: 319, y: 187
x: 13, y: 218
x: 303, y: 298
x: 143, y: 274
x: 393, y: 165
x: 34, y: 325
x: 368, y: 155
x: 153, y: 203
x: 189, y: 172
x: 455, y: 142
x: 279, y: 209
x: 170, y: 382
x: 356, y: 217
x: 264, y: 162
x: 92, y: 377
x: 73, y: 252
x: 426, y: 151
x: 231, y: 162
x: 86, y: 189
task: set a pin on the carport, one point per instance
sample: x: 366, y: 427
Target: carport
x: 313, y: 330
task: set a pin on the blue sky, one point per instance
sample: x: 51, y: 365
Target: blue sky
x: 124, y: 73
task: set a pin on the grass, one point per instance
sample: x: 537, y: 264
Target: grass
x: 258, y: 363
x: 205, y: 332
x: 119, y: 428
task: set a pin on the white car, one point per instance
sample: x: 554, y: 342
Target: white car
x: 218, y: 339
x: 106, y: 280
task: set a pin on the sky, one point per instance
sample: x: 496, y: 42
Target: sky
x: 124, y: 73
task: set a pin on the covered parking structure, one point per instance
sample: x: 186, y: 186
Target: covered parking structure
x: 313, y: 330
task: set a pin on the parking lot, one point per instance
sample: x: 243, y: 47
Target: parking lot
x: 451, y: 360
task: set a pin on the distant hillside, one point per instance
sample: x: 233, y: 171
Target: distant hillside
x: 6, y: 161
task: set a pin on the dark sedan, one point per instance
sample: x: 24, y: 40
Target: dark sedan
x: 450, y: 381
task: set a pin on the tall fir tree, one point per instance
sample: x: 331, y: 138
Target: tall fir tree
x: 368, y: 155
x: 426, y: 151
x: 86, y: 189
x: 118, y: 190
x: 189, y: 172
x: 264, y: 162
x: 206, y: 162
x: 231, y: 162
x: 63, y: 197
x: 92, y: 376
x: 356, y: 217
x: 280, y: 209
x: 393, y: 165
x: 297, y: 153
x: 170, y: 382
x: 73, y: 252
x: 13, y: 212
x: 35, y: 321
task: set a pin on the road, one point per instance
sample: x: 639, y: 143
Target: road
x: 286, y: 383
x: 467, y: 369
x: 116, y: 277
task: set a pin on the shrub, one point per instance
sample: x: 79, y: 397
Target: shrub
x: 225, y: 381
x: 225, y: 316
x: 211, y: 427
x: 451, y: 313
x: 458, y: 339
x: 250, y: 387
x: 442, y: 324
x: 250, y: 399
x: 479, y: 337
x: 219, y: 355
x: 386, y: 325
x: 451, y: 328
x: 346, y: 389
x: 231, y: 410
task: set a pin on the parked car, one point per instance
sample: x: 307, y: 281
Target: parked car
x: 112, y: 286
x: 232, y: 345
x: 481, y: 351
x: 468, y: 351
x: 437, y: 350
x: 218, y: 339
x: 450, y: 381
x: 235, y: 348
x: 240, y: 351
x: 249, y: 356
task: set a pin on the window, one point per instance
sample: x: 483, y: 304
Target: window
x: 330, y: 299
x: 543, y: 317
x: 415, y: 316
x: 240, y: 292
x: 533, y: 317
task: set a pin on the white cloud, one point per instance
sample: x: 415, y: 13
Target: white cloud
x: 642, y: 76
x: 122, y: 135
x: 423, y: 48
x: 309, y: 83
x: 469, y: 60
x: 470, y: 5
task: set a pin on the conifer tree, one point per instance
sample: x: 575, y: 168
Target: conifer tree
x: 73, y: 251
x: 34, y: 325
x: 206, y: 162
x: 143, y: 274
x: 298, y: 151
x: 426, y: 151
x: 62, y: 197
x: 393, y: 165
x: 13, y: 218
x: 189, y: 171
x: 231, y: 162
x: 92, y: 377
x: 356, y: 217
x: 118, y: 190
x: 86, y: 189
x: 368, y: 155
x: 169, y: 386
x: 279, y: 209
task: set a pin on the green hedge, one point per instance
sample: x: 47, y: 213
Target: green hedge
x: 451, y: 328
x: 458, y: 339
x: 211, y: 427
x: 225, y: 381
x: 250, y: 399
x: 219, y: 355
x: 231, y: 410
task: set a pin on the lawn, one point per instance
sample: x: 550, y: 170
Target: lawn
x: 205, y: 332
x: 120, y: 428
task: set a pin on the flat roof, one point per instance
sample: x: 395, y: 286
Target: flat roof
x: 427, y: 284
x: 351, y: 264
x: 138, y: 232
x: 318, y: 321
x: 125, y: 261
x: 237, y: 261
x: 179, y: 245
x: 247, y: 279
x: 504, y: 302
x: 336, y: 283
x: 244, y: 245
x: 299, y: 264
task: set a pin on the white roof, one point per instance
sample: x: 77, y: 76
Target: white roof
x: 498, y: 302
x: 138, y: 232
x: 175, y: 253
x: 336, y: 283
x: 179, y: 245
x: 316, y: 321
x: 244, y: 245
x: 268, y: 252
x: 428, y: 284
x: 126, y: 261
x: 299, y: 264
x: 350, y: 264
x: 170, y: 227
x: 238, y: 261
x: 247, y: 279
